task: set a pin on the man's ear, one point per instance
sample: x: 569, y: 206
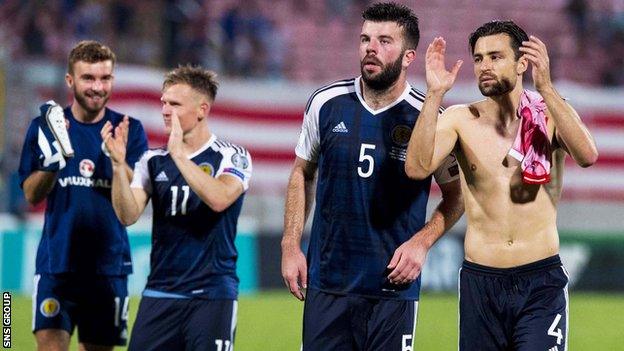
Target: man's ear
x: 408, y: 57
x: 522, y: 66
x: 204, y: 109
x: 69, y: 80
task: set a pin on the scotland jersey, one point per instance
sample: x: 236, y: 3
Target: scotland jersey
x: 366, y: 206
x: 81, y: 232
x: 193, y: 252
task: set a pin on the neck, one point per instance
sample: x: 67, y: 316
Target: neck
x: 507, y: 104
x: 196, y: 138
x: 84, y: 116
x: 377, y: 99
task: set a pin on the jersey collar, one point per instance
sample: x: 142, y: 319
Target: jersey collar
x: 204, y: 147
x: 358, y: 92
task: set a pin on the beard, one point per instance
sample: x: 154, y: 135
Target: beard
x: 90, y: 106
x: 499, y: 88
x: 383, y: 80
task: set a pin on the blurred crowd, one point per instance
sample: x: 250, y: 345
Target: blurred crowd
x: 258, y: 38
x: 599, y: 30
x: 155, y: 33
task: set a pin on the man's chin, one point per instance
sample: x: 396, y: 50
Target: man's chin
x: 93, y: 107
x: 489, y: 91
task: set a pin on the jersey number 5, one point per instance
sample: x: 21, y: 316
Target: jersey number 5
x: 174, y: 199
x: 368, y: 159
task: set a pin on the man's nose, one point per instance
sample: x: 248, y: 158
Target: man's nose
x: 97, y: 85
x: 373, y: 46
x: 486, y: 65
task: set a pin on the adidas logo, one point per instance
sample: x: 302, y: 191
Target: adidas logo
x: 162, y: 177
x: 340, y: 128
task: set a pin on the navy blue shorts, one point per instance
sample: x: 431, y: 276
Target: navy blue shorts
x: 336, y: 322
x: 524, y: 308
x: 184, y: 324
x: 96, y: 304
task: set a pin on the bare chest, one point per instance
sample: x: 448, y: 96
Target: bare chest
x: 484, y: 151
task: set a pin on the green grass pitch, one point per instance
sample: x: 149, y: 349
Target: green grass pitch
x: 271, y: 321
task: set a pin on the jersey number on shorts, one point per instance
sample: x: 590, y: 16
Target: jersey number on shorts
x: 121, y: 310
x: 223, y: 345
x: 406, y: 344
x: 174, y: 199
x: 368, y: 159
x: 552, y: 332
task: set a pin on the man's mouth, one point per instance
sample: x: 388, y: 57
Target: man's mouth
x: 487, y: 79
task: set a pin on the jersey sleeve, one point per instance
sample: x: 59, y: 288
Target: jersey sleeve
x: 29, y: 160
x: 448, y: 170
x: 137, y: 142
x: 309, y: 139
x: 236, y: 162
x: 141, y: 178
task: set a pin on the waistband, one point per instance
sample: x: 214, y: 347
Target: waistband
x: 533, y: 267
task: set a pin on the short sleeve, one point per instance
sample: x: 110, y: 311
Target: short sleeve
x: 236, y: 162
x: 309, y: 139
x: 141, y: 178
x: 448, y: 170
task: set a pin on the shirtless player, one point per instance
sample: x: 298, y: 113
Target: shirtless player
x: 513, y: 287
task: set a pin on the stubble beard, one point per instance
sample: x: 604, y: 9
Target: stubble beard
x: 82, y: 100
x: 501, y: 87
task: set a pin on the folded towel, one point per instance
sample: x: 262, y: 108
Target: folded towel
x: 532, y: 145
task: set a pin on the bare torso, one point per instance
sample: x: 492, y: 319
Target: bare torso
x: 509, y: 223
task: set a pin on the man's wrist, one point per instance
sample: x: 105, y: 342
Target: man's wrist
x: 289, y: 243
x: 436, y: 93
x: 547, y: 90
x: 119, y: 165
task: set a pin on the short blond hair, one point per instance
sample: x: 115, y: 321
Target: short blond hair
x: 202, y: 80
x: 89, y: 51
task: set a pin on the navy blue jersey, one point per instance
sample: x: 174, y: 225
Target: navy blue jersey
x: 366, y: 206
x: 81, y: 232
x: 193, y: 252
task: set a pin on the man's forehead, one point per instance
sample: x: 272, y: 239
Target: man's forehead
x: 496, y: 42
x: 386, y: 28
x: 179, y: 90
x: 101, y: 67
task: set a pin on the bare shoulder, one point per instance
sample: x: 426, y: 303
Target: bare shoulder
x: 454, y: 112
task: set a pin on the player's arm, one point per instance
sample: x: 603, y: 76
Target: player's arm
x: 433, y: 138
x: 218, y: 193
x: 571, y: 132
x: 299, y: 198
x: 41, y: 158
x: 128, y: 202
x: 409, y: 258
x: 38, y: 185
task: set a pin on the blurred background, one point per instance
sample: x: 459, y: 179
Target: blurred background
x: 270, y: 56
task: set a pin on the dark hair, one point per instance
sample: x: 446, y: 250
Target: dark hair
x: 402, y: 15
x: 202, y: 80
x: 515, y: 33
x: 89, y: 51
